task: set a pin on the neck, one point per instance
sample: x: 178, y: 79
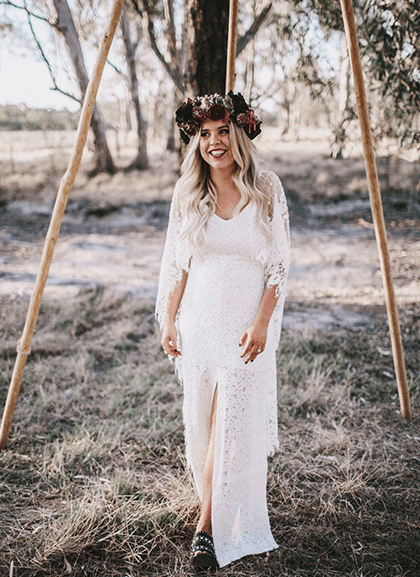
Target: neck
x: 222, y: 178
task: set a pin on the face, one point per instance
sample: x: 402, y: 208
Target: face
x: 215, y: 146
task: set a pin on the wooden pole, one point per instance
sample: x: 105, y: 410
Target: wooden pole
x: 24, y: 344
x: 231, y: 51
x: 376, y: 204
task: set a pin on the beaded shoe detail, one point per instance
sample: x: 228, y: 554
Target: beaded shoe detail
x: 203, y: 554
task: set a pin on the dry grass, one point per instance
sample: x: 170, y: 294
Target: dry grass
x: 93, y: 480
x: 33, y: 162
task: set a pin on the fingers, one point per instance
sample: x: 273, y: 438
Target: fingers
x: 252, y: 349
x: 251, y: 353
x: 168, y: 343
x: 170, y: 349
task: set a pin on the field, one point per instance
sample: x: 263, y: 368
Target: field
x: 93, y: 480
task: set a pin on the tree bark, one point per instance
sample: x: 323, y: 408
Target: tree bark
x: 203, y: 43
x: 65, y: 25
x: 141, y: 161
x: 170, y: 141
x: 344, y: 113
x: 172, y: 64
x: 206, y: 45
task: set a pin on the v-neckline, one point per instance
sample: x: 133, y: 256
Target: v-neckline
x: 232, y: 217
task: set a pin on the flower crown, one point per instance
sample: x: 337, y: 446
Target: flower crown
x: 193, y: 112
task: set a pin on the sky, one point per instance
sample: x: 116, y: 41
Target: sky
x: 24, y: 76
x: 25, y: 80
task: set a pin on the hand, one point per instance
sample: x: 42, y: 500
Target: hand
x: 254, y: 339
x: 169, y: 339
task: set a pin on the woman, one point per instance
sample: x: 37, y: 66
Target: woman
x: 222, y: 284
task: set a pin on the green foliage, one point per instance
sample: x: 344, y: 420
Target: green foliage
x: 389, y: 39
x: 390, y: 32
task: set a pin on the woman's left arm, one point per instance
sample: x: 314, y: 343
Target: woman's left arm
x: 255, y: 336
x: 277, y: 261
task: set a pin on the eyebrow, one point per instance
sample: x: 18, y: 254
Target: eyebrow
x: 220, y: 127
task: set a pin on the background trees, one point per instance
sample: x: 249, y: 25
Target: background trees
x: 292, y: 62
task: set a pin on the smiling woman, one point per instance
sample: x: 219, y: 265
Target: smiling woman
x: 222, y: 284
x: 216, y: 151
x: 215, y: 145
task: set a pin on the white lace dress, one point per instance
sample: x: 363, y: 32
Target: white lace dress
x: 222, y: 295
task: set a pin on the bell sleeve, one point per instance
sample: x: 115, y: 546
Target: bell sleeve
x: 276, y: 254
x: 175, y: 259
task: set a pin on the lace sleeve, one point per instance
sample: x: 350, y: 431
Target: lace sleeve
x: 175, y: 258
x: 277, y: 261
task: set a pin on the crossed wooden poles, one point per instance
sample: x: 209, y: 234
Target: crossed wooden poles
x: 24, y: 344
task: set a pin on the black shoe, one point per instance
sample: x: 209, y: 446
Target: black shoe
x: 203, y: 555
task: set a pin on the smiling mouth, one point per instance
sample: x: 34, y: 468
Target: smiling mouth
x: 218, y: 153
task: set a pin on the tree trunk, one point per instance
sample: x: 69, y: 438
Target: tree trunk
x: 170, y: 142
x: 249, y: 71
x: 141, y: 161
x: 343, y: 117
x: 65, y: 25
x: 286, y: 106
x: 206, y: 45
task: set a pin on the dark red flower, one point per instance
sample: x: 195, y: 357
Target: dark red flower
x: 217, y: 112
x: 184, y: 112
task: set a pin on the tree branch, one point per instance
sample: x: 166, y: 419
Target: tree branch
x: 138, y: 39
x: 170, y: 26
x: 253, y: 29
x: 175, y: 77
x: 28, y: 12
x: 50, y: 70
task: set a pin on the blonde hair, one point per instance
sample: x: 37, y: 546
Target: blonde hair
x: 198, y: 194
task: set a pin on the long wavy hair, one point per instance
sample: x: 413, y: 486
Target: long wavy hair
x: 198, y: 194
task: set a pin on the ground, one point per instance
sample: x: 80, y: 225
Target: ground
x: 93, y: 478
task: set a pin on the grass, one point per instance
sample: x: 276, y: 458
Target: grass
x: 94, y: 482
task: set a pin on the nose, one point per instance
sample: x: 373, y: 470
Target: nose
x: 214, y: 137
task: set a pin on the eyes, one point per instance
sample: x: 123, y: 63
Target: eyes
x: 222, y: 131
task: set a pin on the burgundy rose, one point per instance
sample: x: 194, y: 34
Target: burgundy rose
x: 217, y: 112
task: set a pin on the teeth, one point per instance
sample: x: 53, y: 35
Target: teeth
x: 217, y: 153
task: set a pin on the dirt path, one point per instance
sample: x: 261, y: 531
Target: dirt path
x: 334, y: 280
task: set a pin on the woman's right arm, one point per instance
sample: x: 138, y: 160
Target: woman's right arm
x: 169, y: 335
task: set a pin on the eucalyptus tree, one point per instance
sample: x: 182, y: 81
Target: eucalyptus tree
x: 190, y: 40
x: 389, y: 37
x: 65, y: 26
x: 141, y: 161
x: 58, y: 16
